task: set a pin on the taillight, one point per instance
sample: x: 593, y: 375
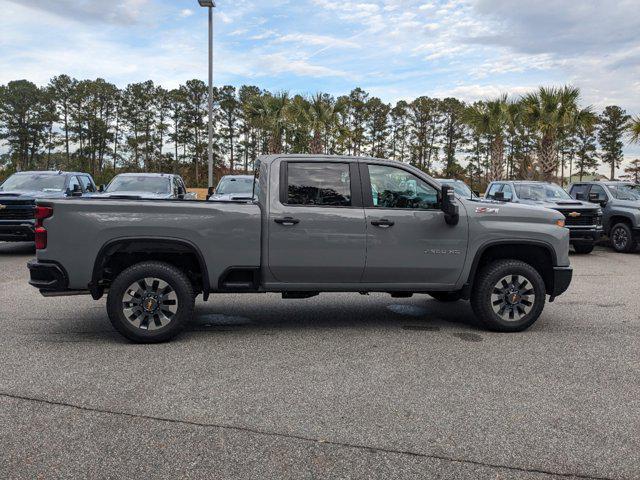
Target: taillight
x: 41, y: 232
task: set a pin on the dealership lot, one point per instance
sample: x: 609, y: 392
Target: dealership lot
x: 337, y: 386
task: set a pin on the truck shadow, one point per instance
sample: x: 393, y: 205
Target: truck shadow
x: 420, y: 314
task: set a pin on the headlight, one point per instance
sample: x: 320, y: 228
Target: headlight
x: 560, y: 223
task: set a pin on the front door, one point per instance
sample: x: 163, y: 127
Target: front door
x: 316, y: 223
x: 408, y: 240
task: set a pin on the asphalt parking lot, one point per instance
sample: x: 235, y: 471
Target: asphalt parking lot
x: 337, y: 386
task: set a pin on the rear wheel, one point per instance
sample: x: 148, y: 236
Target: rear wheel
x: 583, y: 248
x: 508, y: 296
x: 446, y: 296
x: 150, y: 302
x: 622, y: 239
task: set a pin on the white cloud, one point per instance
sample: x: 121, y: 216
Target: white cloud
x: 187, y: 12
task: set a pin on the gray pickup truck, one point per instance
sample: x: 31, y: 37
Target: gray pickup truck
x: 620, y: 202
x: 318, y: 224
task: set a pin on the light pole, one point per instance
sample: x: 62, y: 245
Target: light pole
x: 210, y: 4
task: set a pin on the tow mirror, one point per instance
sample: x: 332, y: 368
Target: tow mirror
x: 75, y: 192
x: 450, y: 209
x: 595, y: 198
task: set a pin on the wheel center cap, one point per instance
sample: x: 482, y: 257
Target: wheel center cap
x: 513, y: 298
x: 150, y: 304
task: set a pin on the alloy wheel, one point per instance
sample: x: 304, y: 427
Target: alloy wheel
x: 150, y: 303
x: 620, y: 238
x: 513, y: 297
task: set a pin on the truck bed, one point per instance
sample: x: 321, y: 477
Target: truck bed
x: 226, y: 234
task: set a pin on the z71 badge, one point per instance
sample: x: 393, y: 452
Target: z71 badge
x: 490, y: 210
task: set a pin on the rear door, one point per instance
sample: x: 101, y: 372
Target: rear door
x: 316, y: 223
x: 408, y: 240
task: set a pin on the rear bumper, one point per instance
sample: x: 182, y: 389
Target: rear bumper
x: 47, y: 277
x: 585, y: 234
x: 17, y: 231
x: 561, y: 280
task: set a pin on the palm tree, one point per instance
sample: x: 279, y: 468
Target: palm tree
x: 490, y: 119
x: 269, y: 112
x: 634, y: 128
x: 550, y: 112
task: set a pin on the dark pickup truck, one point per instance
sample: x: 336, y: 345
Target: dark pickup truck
x: 583, y: 219
x: 18, y: 195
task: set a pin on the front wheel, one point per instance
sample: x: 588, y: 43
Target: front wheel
x: 508, y: 296
x: 583, y: 248
x: 622, y: 239
x: 150, y: 302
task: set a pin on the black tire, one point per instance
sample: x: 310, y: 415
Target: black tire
x: 622, y: 239
x: 162, y: 324
x: 484, y: 296
x: 583, y: 248
x: 446, y: 296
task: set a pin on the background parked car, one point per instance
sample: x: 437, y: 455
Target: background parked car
x: 147, y: 186
x: 19, y: 192
x: 620, y: 202
x: 459, y: 187
x: 233, y: 187
x: 583, y: 219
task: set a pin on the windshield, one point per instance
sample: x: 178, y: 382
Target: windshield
x: 626, y: 191
x: 460, y: 188
x: 542, y: 192
x: 33, y: 183
x: 230, y: 185
x: 139, y: 184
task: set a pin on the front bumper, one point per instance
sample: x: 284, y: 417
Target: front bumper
x: 17, y: 231
x: 585, y: 234
x: 561, y: 280
x: 47, y: 277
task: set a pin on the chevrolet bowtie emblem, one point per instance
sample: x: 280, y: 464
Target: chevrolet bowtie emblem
x: 575, y: 214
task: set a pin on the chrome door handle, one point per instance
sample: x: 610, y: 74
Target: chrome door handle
x: 286, y: 221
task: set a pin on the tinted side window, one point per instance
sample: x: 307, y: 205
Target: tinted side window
x: 87, y: 184
x: 396, y: 188
x: 495, y: 187
x: 579, y: 190
x: 599, y: 191
x: 315, y: 183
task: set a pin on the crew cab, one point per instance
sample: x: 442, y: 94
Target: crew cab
x: 583, y: 219
x: 147, y: 186
x: 620, y: 203
x: 317, y: 224
x: 18, y: 196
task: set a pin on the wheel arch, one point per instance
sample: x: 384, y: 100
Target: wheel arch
x: 165, y: 249
x: 539, y: 254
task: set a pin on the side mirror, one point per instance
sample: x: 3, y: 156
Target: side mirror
x: 450, y: 209
x: 499, y: 196
x: 75, y: 192
x: 476, y: 193
x: 101, y: 188
x: 581, y: 196
x: 210, y: 191
x: 595, y: 198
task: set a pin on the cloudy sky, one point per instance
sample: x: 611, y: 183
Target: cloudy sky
x: 392, y: 48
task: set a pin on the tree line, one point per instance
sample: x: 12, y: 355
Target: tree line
x: 94, y: 126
